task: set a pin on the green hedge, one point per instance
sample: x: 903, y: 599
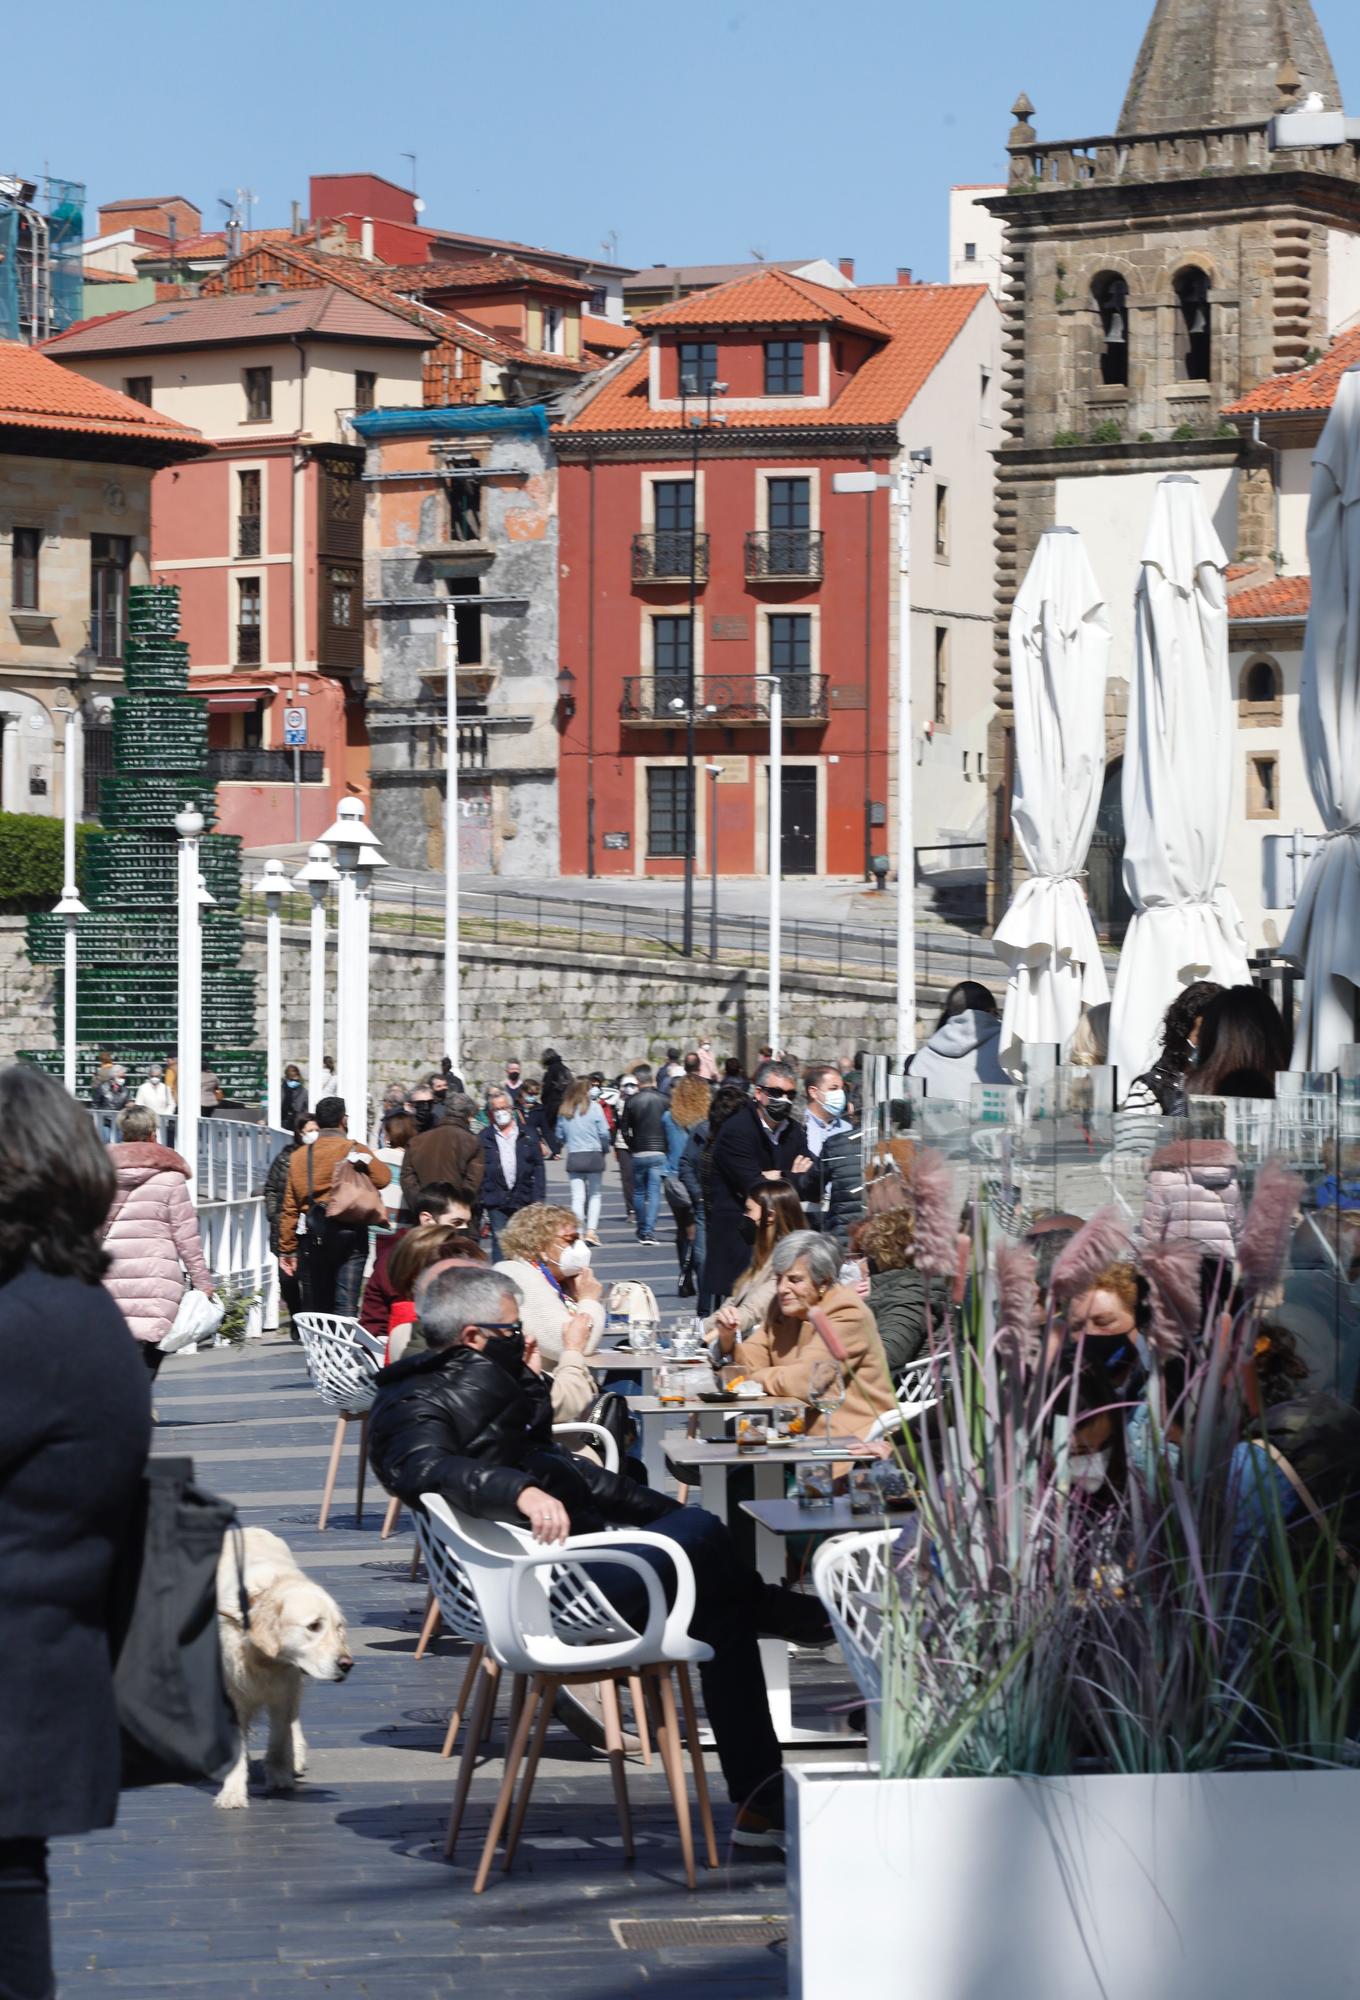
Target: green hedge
x: 30, y: 860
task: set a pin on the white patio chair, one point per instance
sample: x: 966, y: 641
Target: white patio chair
x: 546, y: 1619
x: 852, y: 1575
x: 919, y: 1390
x: 342, y: 1360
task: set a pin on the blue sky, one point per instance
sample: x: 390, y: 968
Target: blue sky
x: 697, y: 132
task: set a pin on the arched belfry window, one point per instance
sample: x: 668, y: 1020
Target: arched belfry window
x: 1110, y: 296
x: 1194, y: 328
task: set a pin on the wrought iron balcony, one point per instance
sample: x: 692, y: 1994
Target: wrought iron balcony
x: 248, y: 535
x: 247, y: 645
x: 264, y: 767
x: 739, y: 701
x: 664, y: 555
x: 784, y: 555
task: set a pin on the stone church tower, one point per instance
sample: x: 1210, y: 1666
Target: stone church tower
x: 1151, y: 277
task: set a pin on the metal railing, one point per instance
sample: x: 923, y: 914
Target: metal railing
x: 665, y: 555
x: 740, y: 701
x: 247, y: 645
x: 265, y: 767
x: 248, y: 535
x: 775, y: 555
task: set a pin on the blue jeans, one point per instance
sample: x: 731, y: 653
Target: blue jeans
x: 649, y: 1170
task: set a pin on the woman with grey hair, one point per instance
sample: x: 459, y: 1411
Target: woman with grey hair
x: 781, y: 1354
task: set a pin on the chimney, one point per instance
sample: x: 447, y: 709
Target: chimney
x: 366, y: 239
x: 847, y: 268
x: 297, y: 218
x: 904, y: 274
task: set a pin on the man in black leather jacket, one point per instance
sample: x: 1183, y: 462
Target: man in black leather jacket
x: 471, y: 1419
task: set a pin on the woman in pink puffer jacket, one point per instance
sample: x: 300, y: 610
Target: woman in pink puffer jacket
x: 152, y: 1231
x: 1193, y: 1192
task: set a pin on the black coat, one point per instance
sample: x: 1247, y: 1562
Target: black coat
x: 530, y: 1181
x: 75, y: 1428
x: 553, y: 1089
x: 455, y: 1422
x: 742, y: 1154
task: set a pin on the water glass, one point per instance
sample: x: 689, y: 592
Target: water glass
x: 864, y: 1494
x: 687, y: 1339
x: 814, y: 1486
x: 787, y: 1423
x: 642, y: 1336
x: 670, y: 1385
x: 753, y: 1433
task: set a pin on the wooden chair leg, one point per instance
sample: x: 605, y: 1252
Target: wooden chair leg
x: 484, y: 1697
x: 640, y: 1718
x: 433, y: 1616
x: 674, y: 1762
x: 517, y: 1688
x: 696, y: 1758
x: 613, y: 1743
x: 393, y: 1515
x: 544, y: 1717
x: 513, y: 1759
x: 414, y: 1570
x: 337, y: 1446
x: 475, y: 1658
x: 492, y: 1669
x: 363, y: 1468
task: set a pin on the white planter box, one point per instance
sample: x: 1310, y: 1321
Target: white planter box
x: 1234, y: 1886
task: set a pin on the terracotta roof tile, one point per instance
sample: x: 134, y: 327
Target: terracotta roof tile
x: 485, y: 274
x: 37, y: 394
x: 186, y: 322
x: 1308, y: 390
x: 769, y: 298
x: 1283, y: 597
x: 922, y: 322
x: 607, y: 334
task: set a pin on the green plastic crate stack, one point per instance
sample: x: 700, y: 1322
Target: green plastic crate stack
x: 127, y: 978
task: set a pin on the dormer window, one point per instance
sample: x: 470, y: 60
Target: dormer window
x: 783, y: 368
x: 698, y: 366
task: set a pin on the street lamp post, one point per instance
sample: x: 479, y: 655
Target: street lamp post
x: 452, y: 1028
x: 271, y: 886
x: 316, y: 878
x: 358, y: 854
x: 697, y: 426
x: 776, y: 862
x: 715, y: 772
x: 189, y: 1027
x: 70, y: 908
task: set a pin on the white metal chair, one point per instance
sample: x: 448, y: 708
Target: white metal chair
x: 919, y: 1390
x: 343, y: 1361
x: 852, y: 1574
x: 545, y: 1618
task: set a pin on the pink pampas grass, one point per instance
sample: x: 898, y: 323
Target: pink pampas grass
x: 937, y: 1215
x: 1265, y: 1234
x: 1102, y: 1241
x: 1017, y: 1294
x: 1176, y: 1304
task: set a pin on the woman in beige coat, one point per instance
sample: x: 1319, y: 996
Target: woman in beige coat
x: 780, y: 1356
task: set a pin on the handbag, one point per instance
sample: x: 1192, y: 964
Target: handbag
x: 354, y: 1202
x: 198, y: 1318
x: 586, y: 1163
x: 174, y: 1714
x: 611, y: 1412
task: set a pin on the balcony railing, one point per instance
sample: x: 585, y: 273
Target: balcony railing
x: 664, y: 555
x: 248, y: 645
x: 248, y: 535
x: 739, y: 701
x: 264, y: 767
x: 783, y: 555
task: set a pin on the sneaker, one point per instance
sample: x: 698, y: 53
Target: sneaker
x: 592, y: 1238
x: 649, y: 1242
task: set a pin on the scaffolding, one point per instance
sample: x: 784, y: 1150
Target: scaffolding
x: 41, y: 256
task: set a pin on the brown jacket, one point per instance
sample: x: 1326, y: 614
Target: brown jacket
x: 447, y: 1152
x: 330, y: 1149
x: 780, y: 1355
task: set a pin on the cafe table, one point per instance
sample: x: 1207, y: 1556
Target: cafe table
x: 710, y: 1417
x: 714, y: 1460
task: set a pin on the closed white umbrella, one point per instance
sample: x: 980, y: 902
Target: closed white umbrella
x: 1060, y: 646
x: 1177, y: 779
x: 1325, y: 933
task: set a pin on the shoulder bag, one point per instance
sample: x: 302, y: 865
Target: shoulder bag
x: 354, y: 1202
x: 591, y: 1162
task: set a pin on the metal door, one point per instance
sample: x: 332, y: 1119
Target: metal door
x: 799, y: 799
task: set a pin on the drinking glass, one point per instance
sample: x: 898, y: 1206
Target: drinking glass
x: 670, y: 1385
x: 753, y: 1433
x: 864, y: 1497
x: 687, y: 1339
x: 814, y: 1486
x: 642, y: 1336
x: 826, y: 1389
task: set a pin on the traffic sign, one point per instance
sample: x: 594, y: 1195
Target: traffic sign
x: 295, y: 728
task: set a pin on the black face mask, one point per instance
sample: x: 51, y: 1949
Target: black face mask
x: 507, y: 1351
x: 777, y: 1109
x: 424, y: 1116
x: 746, y: 1229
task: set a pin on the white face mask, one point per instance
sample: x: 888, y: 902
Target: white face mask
x: 310, y: 1138
x: 1089, y: 1470
x: 505, y: 1117
x: 594, y: 1092
x: 833, y: 1102
x: 575, y: 1258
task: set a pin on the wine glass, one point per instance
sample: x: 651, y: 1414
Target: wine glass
x: 826, y: 1389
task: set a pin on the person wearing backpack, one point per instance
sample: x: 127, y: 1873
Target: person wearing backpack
x: 327, y: 1253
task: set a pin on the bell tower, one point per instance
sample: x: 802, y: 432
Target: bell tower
x: 1151, y: 276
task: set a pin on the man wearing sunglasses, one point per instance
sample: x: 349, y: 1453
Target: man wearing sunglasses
x: 471, y: 1418
x: 762, y: 1140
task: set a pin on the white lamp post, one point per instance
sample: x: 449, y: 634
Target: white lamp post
x: 452, y: 1026
x: 271, y: 886
x: 70, y: 907
x: 358, y: 853
x: 316, y: 878
x: 189, y: 825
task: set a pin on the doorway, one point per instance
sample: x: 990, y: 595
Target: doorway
x: 1110, y: 904
x: 798, y: 799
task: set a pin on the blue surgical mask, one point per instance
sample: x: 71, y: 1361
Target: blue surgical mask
x: 834, y: 1102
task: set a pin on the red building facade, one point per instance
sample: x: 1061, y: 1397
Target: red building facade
x: 702, y: 529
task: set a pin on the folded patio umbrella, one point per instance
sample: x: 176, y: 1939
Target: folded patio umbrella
x: 1177, y: 778
x: 1324, y: 935
x: 1060, y: 645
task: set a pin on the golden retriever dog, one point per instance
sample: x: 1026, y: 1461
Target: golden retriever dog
x: 296, y: 1629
